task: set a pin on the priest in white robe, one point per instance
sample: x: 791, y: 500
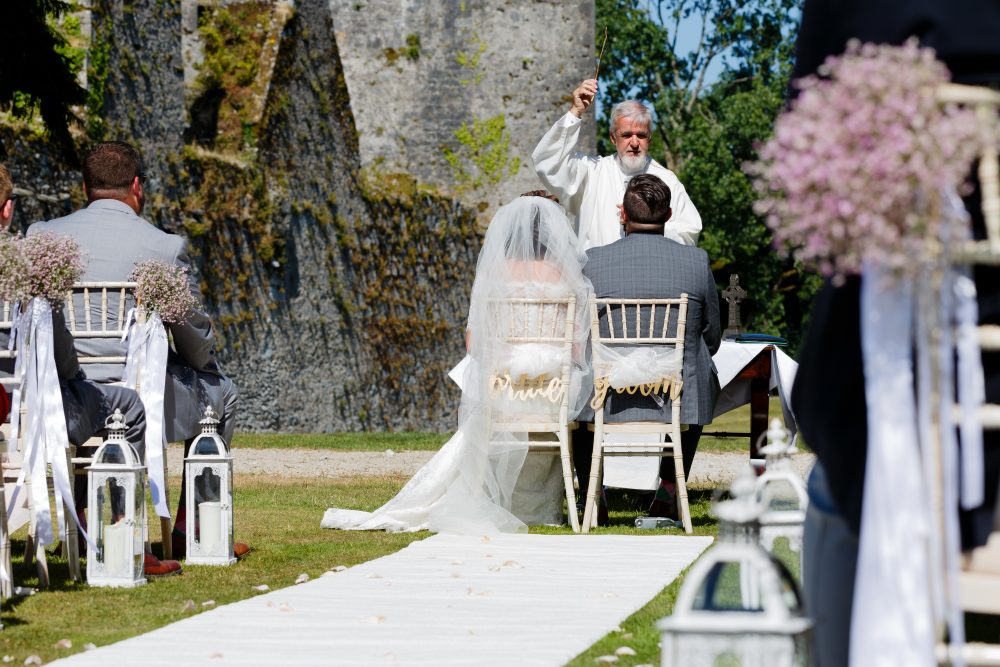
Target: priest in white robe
x: 591, y: 188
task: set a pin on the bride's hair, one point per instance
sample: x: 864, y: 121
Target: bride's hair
x: 545, y: 194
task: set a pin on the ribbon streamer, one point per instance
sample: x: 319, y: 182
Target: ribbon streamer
x: 971, y: 390
x: 146, y: 373
x: 892, y: 619
x: 45, y: 436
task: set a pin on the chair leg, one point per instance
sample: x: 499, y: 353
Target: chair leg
x: 165, y: 528
x: 71, y: 545
x: 6, y: 585
x: 682, y: 493
x: 590, y: 506
x: 165, y: 540
x: 567, y: 467
x: 37, y: 551
x: 42, y: 565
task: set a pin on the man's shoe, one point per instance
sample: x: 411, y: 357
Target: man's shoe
x: 240, y: 549
x: 178, y: 544
x: 666, y: 509
x: 154, y: 567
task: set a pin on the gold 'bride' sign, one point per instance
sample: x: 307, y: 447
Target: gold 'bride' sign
x: 602, y: 384
x: 524, y: 387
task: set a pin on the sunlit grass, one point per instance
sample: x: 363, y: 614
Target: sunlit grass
x: 279, y: 518
x: 376, y: 442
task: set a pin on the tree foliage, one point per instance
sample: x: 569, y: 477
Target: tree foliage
x: 38, y: 67
x: 715, y: 94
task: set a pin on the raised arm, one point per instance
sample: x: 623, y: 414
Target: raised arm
x: 561, y: 168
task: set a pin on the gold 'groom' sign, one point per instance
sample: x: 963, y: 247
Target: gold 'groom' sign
x: 524, y: 387
x: 602, y: 384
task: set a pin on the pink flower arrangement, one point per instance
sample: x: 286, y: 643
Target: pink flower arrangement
x: 163, y: 288
x: 13, y: 269
x: 848, y: 174
x: 54, y: 264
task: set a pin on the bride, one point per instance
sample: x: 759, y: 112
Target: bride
x: 467, y: 487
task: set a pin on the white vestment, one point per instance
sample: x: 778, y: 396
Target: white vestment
x: 591, y: 188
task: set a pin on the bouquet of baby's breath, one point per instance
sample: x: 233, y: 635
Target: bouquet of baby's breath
x: 163, y: 288
x: 54, y: 264
x: 852, y: 167
x: 13, y: 269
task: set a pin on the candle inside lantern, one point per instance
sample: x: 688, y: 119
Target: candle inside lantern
x: 209, y: 525
x: 117, y: 551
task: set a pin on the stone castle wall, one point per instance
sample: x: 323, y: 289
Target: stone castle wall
x: 418, y: 71
x: 335, y: 258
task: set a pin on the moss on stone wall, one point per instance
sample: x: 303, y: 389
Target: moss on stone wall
x: 233, y: 37
x: 483, y: 157
x: 341, y: 292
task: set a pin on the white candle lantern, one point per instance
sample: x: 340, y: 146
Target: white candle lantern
x: 208, y: 471
x: 785, y: 500
x: 738, y: 606
x: 116, y: 511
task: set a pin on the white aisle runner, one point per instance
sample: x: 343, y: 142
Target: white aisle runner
x: 447, y: 600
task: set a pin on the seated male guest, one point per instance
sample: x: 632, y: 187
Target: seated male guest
x: 114, y: 238
x: 647, y: 265
x: 86, y: 404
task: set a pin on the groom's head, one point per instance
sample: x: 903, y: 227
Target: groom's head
x: 646, y: 205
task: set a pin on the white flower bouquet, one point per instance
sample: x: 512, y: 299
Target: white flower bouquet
x: 54, y: 263
x: 852, y: 168
x: 163, y: 288
x: 13, y: 269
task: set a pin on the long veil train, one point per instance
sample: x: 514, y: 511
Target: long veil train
x: 467, y: 487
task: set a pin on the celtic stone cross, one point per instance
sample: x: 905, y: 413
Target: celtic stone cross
x: 733, y: 295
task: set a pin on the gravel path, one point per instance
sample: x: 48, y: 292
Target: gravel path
x: 709, y: 467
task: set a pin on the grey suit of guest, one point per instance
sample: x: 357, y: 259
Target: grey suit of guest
x: 113, y: 239
x: 650, y: 266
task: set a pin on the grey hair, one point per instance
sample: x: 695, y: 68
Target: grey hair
x: 632, y: 110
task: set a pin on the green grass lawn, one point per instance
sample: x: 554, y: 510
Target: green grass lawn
x: 737, y: 420
x: 279, y: 518
x: 366, y: 442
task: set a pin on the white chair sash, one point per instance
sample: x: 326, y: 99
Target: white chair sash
x: 147, y: 352
x: 650, y: 370
x: 892, y: 619
x: 636, y: 366
x: 45, y: 437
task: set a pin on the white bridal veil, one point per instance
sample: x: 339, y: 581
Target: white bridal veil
x: 467, y: 487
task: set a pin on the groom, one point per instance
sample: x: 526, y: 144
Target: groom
x: 647, y: 265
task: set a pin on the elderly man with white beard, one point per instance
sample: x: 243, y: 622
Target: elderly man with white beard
x: 591, y: 188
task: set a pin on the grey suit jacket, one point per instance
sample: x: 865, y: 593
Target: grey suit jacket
x: 649, y: 266
x: 113, y: 239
